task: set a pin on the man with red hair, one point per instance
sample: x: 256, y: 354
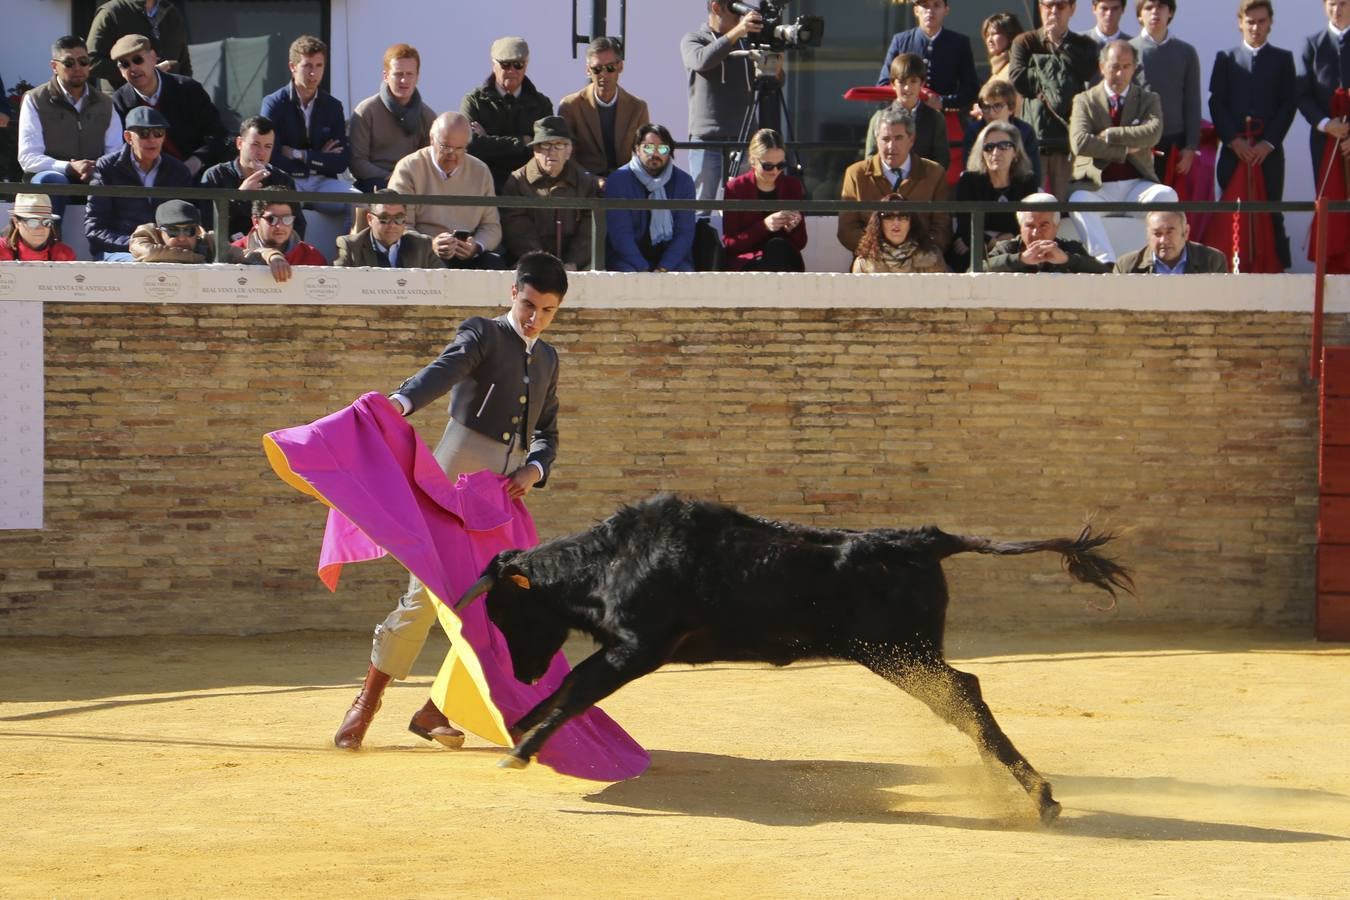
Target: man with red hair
x: 393, y: 123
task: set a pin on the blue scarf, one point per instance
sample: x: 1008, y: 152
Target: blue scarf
x: 662, y: 228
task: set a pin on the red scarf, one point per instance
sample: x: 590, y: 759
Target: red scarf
x: 1251, y: 236
x: 1332, y: 184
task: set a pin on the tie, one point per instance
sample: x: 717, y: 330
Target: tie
x: 899, y: 176
x: 381, y: 256
x: 1116, y: 103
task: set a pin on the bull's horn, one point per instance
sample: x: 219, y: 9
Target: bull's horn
x: 480, y: 587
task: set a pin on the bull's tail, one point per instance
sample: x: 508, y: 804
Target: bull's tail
x: 1081, y: 559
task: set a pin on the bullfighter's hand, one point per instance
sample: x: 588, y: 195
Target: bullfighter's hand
x: 521, y: 480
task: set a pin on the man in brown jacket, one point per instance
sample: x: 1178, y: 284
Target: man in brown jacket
x: 176, y: 236
x: 1169, y: 252
x: 894, y: 169
x: 603, y: 116
x: 552, y: 172
x: 386, y: 241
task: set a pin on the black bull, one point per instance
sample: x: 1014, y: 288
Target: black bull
x: 672, y: 580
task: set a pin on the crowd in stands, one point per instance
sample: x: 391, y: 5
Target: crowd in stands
x: 1101, y: 116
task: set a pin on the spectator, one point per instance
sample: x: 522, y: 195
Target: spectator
x: 176, y: 236
x: 1037, y: 248
x: 947, y: 56
x: 65, y: 125
x: 391, y: 124
x: 1253, y: 95
x: 721, y: 87
x: 894, y: 169
x: 1168, y: 251
x: 894, y: 242
x: 998, y: 171
x: 908, y: 72
x: 386, y: 242
x: 1107, y: 13
x: 274, y: 228
x: 196, y: 136
x: 33, y: 235
x: 551, y: 172
x: 1171, y: 68
x: 754, y: 241
x: 1114, y: 128
x: 110, y: 221
x: 658, y: 240
x: 502, y: 111
x: 602, y: 115
x: 1324, y: 67
x: 465, y: 237
x: 160, y: 19
x: 311, y: 129
x: 998, y: 32
x: 1049, y: 67
x: 251, y: 170
x: 997, y: 99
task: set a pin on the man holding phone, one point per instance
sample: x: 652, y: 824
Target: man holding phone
x: 464, y: 237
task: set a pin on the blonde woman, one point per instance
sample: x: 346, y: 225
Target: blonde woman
x: 755, y: 241
x: 894, y: 242
x: 998, y: 170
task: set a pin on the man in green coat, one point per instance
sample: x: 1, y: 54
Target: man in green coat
x: 503, y: 110
x: 158, y: 20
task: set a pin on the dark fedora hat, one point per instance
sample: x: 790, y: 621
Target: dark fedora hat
x: 550, y: 128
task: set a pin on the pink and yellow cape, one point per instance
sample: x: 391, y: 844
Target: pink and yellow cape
x: 386, y: 494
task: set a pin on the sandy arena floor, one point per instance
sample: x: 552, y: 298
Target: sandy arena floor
x: 1189, y: 765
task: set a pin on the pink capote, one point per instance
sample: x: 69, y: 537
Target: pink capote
x: 387, y: 494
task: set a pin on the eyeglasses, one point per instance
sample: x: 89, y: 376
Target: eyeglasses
x: 128, y: 63
x: 448, y: 150
x: 179, y: 230
x: 773, y: 167
x: 998, y: 145
x: 34, y: 221
x: 993, y: 107
x: 658, y: 149
x: 71, y: 62
x: 891, y: 217
x: 608, y: 67
x: 147, y: 132
x: 513, y: 64
x: 555, y: 147
x: 386, y: 219
x: 273, y: 219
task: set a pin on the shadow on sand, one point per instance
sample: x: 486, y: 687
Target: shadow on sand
x: 816, y: 792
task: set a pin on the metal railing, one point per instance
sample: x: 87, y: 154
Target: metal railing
x: 220, y: 199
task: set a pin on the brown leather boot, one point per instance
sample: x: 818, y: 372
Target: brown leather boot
x: 431, y: 724
x: 364, y: 707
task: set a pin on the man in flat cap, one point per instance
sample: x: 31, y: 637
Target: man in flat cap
x: 160, y: 19
x: 551, y: 172
x: 502, y: 111
x: 196, y: 136
x: 176, y: 235
x: 110, y: 221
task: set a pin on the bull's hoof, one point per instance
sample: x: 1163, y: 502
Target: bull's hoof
x: 512, y: 762
x: 1050, y: 812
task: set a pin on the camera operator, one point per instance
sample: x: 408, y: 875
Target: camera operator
x: 721, y: 87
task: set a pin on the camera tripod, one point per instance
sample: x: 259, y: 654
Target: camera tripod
x: 767, y: 109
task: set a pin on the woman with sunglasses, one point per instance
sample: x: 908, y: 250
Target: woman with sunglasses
x: 998, y: 170
x: 895, y: 242
x: 658, y: 240
x: 33, y: 235
x: 755, y: 241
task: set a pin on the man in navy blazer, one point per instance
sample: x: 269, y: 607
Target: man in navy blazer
x: 1324, y: 65
x: 951, y: 63
x: 311, y: 129
x: 1255, y: 80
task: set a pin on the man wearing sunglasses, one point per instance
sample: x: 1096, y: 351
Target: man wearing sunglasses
x: 659, y: 240
x: 386, y: 242
x: 66, y: 124
x: 160, y: 19
x: 274, y: 224
x: 110, y: 221
x: 196, y: 135
x: 177, y: 236
x: 502, y: 111
x: 602, y: 115
x: 551, y: 172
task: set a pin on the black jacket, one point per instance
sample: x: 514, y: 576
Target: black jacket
x: 195, y: 128
x: 506, y: 120
x: 493, y: 383
x: 227, y: 175
x: 109, y: 221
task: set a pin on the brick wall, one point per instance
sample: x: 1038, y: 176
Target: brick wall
x: 1193, y: 431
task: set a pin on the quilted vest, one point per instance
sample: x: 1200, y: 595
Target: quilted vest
x: 67, y: 134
